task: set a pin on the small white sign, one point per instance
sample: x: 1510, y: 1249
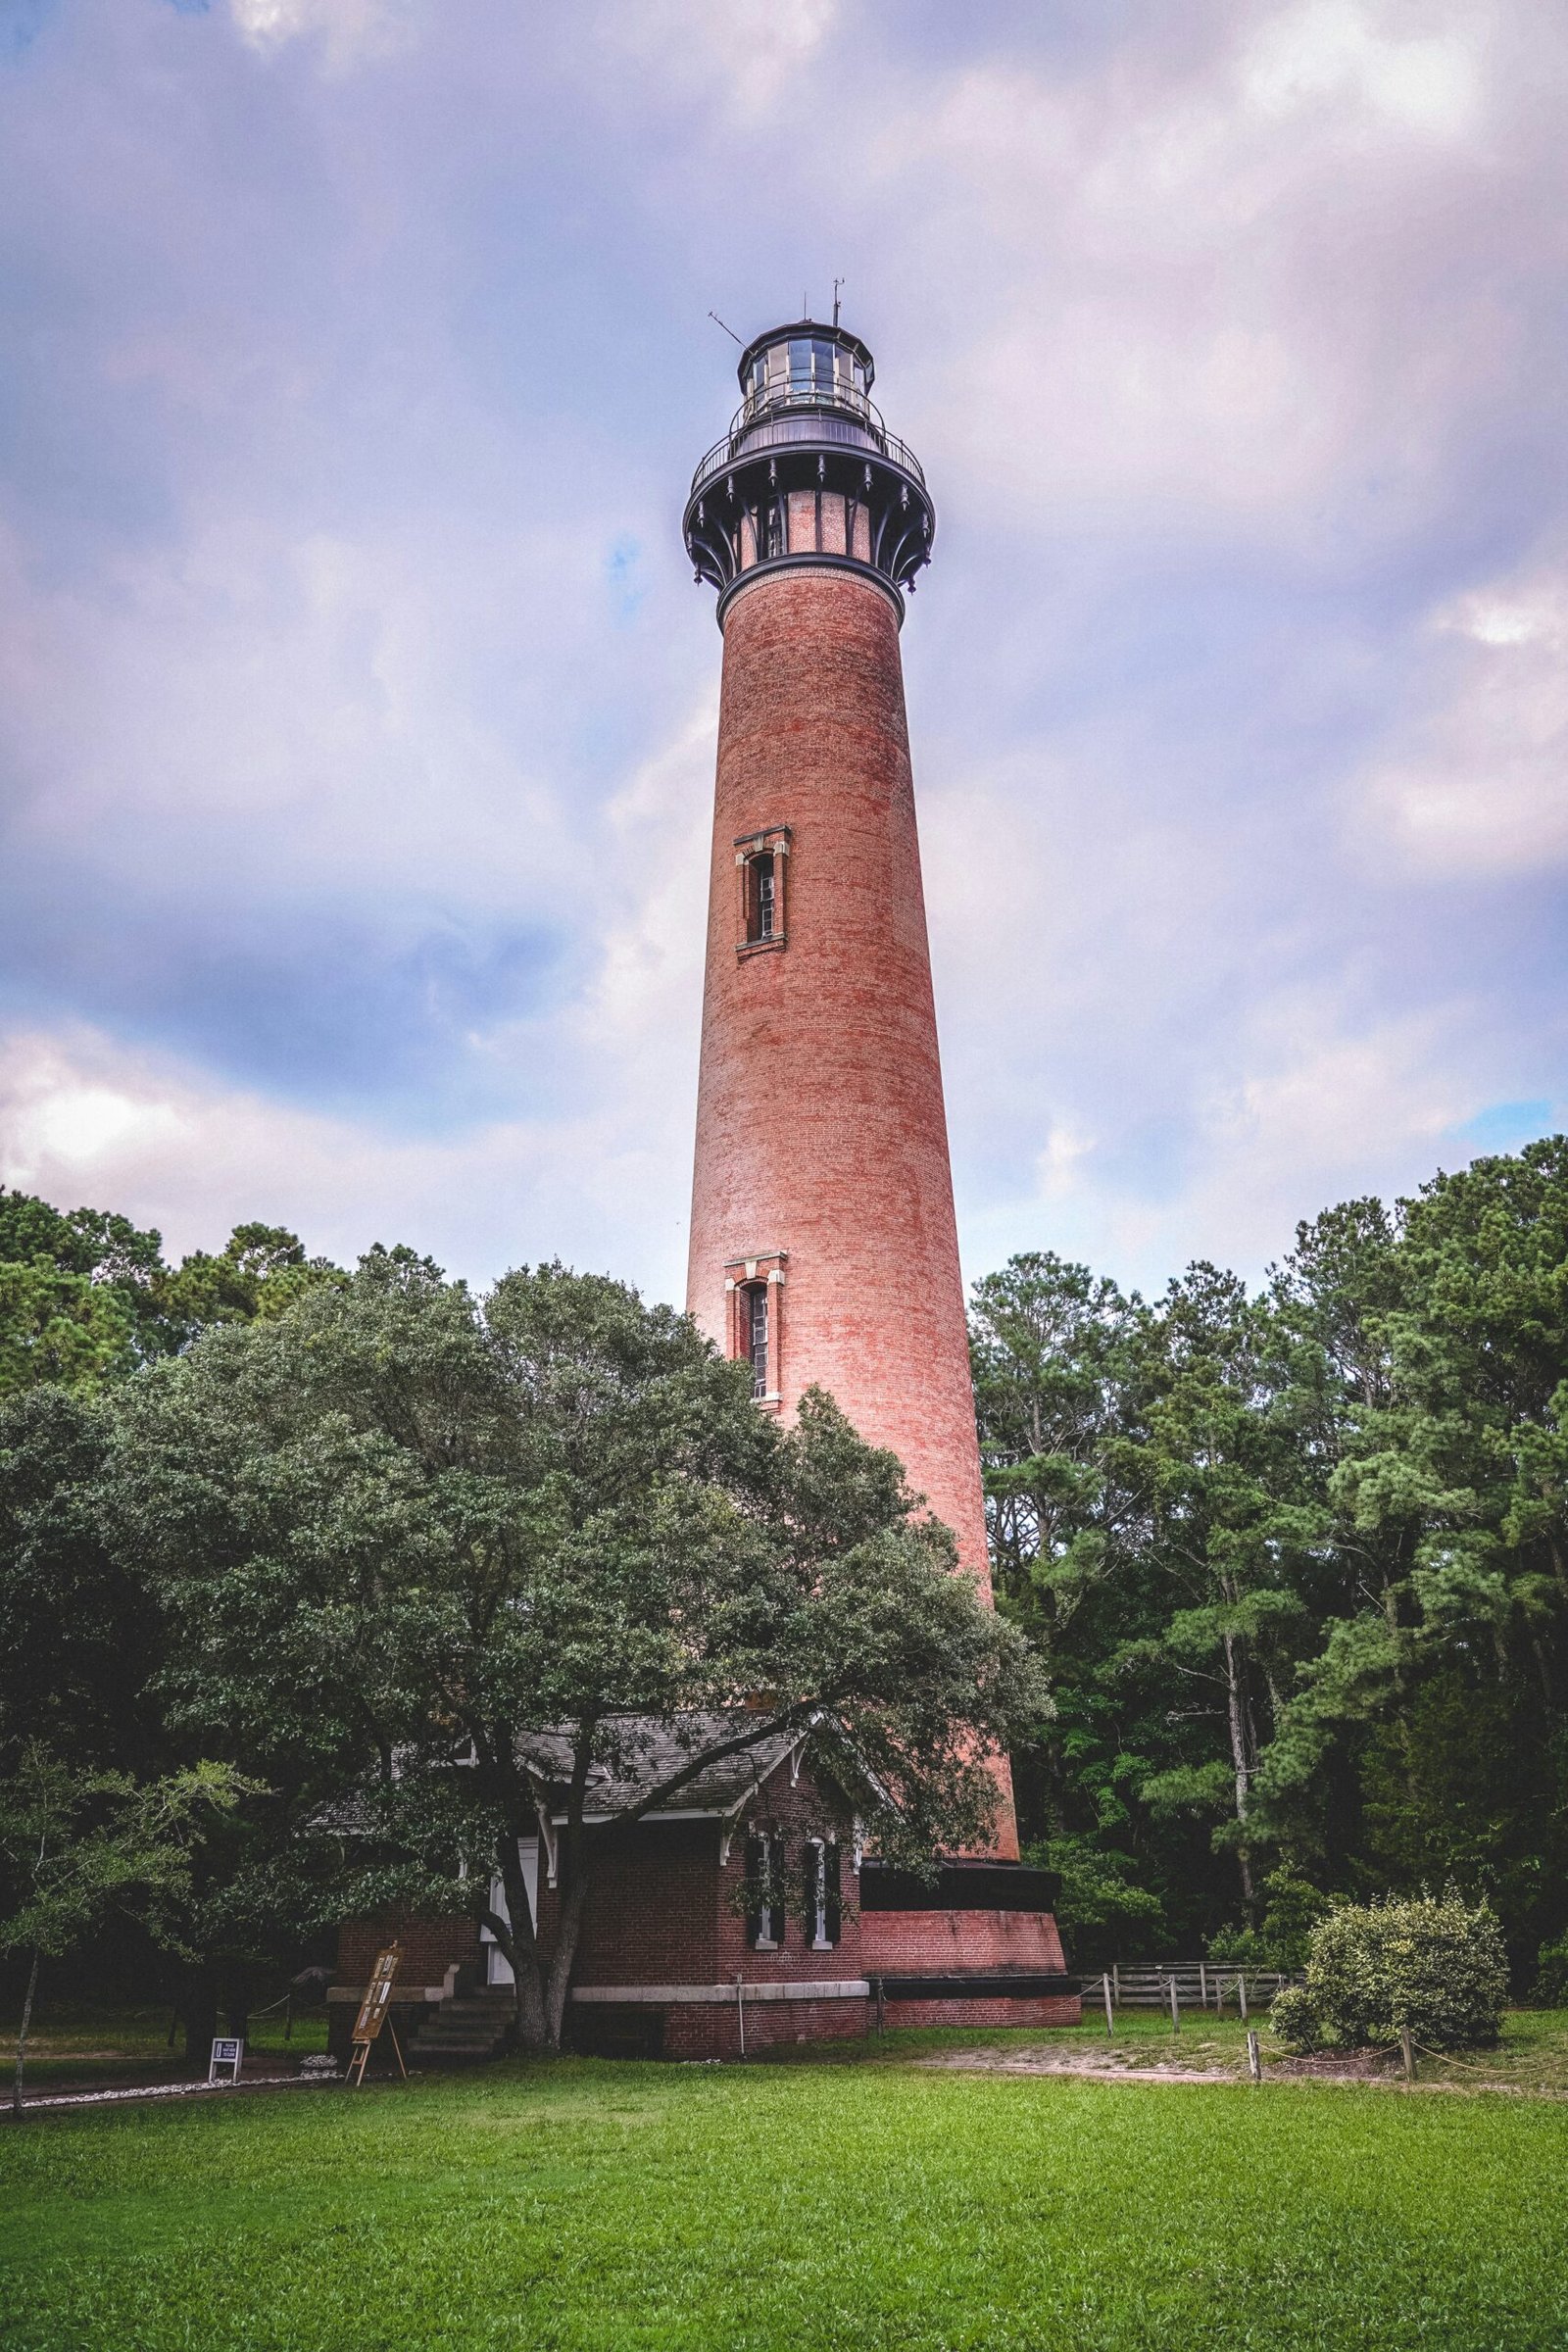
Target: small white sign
x: 228, y: 2056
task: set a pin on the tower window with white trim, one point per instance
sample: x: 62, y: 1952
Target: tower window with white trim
x: 757, y: 1336
x: 762, y: 872
x: 761, y: 897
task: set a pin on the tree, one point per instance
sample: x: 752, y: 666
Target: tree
x: 1233, y: 1526
x: 79, y: 1846
x: 1338, y: 1512
x: 85, y: 1296
x: 80, y: 1635
x: 422, y: 1556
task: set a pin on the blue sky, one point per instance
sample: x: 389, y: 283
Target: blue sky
x: 357, y: 707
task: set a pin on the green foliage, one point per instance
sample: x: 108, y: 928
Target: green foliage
x: 1432, y: 1965
x: 500, y: 1542
x: 78, y: 1845
x: 85, y: 1296
x: 1552, y: 1974
x: 1103, y: 1913
x: 78, y: 1635
x: 1292, y: 1907
x: 1298, y: 1563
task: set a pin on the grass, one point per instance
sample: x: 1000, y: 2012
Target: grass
x: 888, y: 2206
x: 79, y: 2043
x: 1532, y: 2055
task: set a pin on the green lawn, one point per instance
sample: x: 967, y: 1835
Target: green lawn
x: 82, y: 2043
x: 886, y: 2206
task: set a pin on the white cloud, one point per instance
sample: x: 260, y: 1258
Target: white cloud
x: 1482, y: 789
x: 85, y: 1117
x: 1204, y: 277
x: 1336, y: 52
x: 1306, y: 1106
x: 747, y: 52
x: 87, y: 1120
x: 350, y: 31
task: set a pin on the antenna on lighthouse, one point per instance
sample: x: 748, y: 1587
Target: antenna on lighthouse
x: 729, y: 330
x: 837, y: 282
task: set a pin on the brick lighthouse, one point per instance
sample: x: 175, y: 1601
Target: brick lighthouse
x: 824, y: 1251
x: 823, y: 1244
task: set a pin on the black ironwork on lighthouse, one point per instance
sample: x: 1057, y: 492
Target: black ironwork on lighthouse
x: 808, y: 472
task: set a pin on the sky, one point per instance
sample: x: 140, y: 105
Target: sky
x: 358, y: 709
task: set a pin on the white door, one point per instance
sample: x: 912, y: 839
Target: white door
x: 499, y: 1969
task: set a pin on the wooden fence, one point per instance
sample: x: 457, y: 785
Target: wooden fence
x: 1200, y: 1984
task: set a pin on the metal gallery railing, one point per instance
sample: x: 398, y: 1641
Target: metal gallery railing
x: 744, y: 442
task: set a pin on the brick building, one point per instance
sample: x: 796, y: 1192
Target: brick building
x: 823, y: 1245
x: 748, y: 1917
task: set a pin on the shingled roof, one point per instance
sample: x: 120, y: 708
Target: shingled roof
x: 649, y: 1750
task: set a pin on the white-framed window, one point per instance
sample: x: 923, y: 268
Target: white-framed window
x: 823, y: 1893
x: 765, y: 1874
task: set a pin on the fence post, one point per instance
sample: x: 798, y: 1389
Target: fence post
x: 1110, y: 2027
x: 1241, y: 1992
x: 1407, y: 2053
x: 1255, y: 2057
x: 1175, y: 2008
x: 1203, y: 1984
x: 1115, y: 1980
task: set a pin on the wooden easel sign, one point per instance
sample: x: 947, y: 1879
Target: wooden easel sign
x: 228, y: 2056
x: 376, y: 2010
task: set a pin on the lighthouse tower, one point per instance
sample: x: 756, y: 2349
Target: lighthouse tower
x: 823, y: 1245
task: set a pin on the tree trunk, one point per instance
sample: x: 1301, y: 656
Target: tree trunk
x: 1234, y: 1709
x: 562, y: 1958
x: 21, y: 2037
x: 520, y: 1945
x: 200, y: 2005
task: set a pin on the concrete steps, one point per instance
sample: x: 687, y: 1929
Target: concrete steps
x: 463, y: 2031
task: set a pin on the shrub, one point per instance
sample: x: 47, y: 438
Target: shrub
x: 1426, y: 1962
x: 1551, y: 1975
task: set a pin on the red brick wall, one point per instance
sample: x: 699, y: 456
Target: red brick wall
x: 821, y: 1125
x: 429, y: 1947
x: 663, y: 1913
x: 650, y: 1917
x: 1059, y: 2009
x: 947, y: 1943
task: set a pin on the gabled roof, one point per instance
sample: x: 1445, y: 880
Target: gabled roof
x: 649, y: 1750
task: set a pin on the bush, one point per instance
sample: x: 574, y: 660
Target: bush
x: 1551, y: 1975
x: 1426, y: 1962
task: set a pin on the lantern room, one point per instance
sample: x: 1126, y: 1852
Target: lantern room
x: 809, y: 472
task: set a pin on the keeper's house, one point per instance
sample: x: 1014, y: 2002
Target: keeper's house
x: 745, y: 1917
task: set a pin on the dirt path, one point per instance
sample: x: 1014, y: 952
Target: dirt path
x: 1111, y: 2069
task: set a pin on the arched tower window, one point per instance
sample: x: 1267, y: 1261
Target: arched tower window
x: 755, y: 1295
x: 761, y: 862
